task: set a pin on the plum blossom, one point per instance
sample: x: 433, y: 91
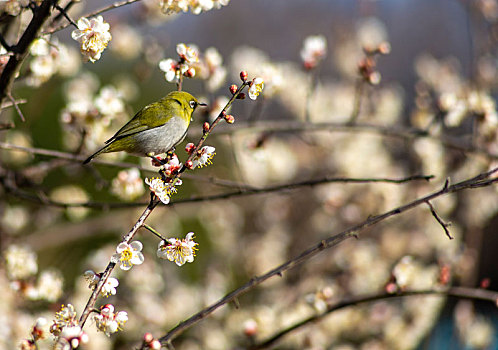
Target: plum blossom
x: 179, y: 251
x: 129, y: 254
x: 93, y: 35
x: 257, y: 86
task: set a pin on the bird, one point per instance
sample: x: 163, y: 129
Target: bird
x: 157, y: 128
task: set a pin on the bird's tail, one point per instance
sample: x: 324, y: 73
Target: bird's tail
x: 102, y: 150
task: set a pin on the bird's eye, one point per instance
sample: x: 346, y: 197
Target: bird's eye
x: 192, y: 104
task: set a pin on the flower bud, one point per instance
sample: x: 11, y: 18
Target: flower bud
x: 148, y: 337
x: 391, y: 288
x: 229, y: 119
x: 241, y: 96
x: 444, y: 275
x: 189, y: 73
x: 156, y: 161
x: 374, y: 78
x: 189, y: 164
x: 189, y: 147
x: 250, y: 328
x: 243, y: 75
x: 205, y: 127
x: 384, y: 48
x: 233, y: 88
x: 485, y: 283
x: 155, y: 344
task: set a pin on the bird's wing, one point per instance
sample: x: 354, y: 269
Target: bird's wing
x: 138, y: 124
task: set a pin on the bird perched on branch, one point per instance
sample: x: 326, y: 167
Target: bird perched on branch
x: 155, y: 129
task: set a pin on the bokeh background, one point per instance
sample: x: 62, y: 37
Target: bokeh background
x: 440, y: 76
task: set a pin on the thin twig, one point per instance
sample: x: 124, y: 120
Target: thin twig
x: 8, y: 104
x: 478, y: 181
x: 64, y: 13
x: 391, y: 131
x: 443, y: 224
x: 309, y: 95
x: 65, y: 10
x: 93, y: 14
x: 458, y: 292
x: 151, y: 229
x: 78, y: 158
x: 358, y: 94
x: 239, y: 193
x: 18, y: 110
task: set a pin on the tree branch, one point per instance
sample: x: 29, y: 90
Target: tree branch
x: 21, y: 50
x: 481, y: 180
x: 240, y: 193
x: 93, y: 14
x: 458, y: 292
x: 443, y: 224
x: 391, y: 131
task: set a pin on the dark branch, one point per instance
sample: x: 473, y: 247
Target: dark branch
x: 478, y: 181
x: 243, y: 192
x: 443, y: 224
x: 40, y: 16
x: 458, y: 292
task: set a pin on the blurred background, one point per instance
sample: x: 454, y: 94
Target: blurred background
x: 425, y: 103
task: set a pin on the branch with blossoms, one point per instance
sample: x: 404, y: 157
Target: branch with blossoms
x: 478, y: 181
x: 368, y: 74
x: 243, y: 189
x: 67, y: 327
x: 456, y: 292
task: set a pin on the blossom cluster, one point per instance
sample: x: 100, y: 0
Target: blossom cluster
x: 108, y: 321
x: 49, y: 57
x: 67, y: 330
x: 128, y: 184
x: 108, y: 288
x: 174, y: 69
x: 22, y: 266
x: 195, y: 6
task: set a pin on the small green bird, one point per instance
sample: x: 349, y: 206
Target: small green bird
x: 155, y: 129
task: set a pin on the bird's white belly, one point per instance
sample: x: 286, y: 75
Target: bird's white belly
x: 162, y: 138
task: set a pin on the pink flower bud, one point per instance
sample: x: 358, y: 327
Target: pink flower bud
x: 308, y: 65
x: 384, y: 48
x: 250, y: 328
x: 205, y: 127
x: 485, y: 283
x: 189, y: 147
x: 155, y: 344
x: 391, y: 288
x: 243, y: 75
x: 233, y: 88
x: 190, y: 72
x: 229, y: 119
x: 189, y: 164
x: 241, y: 96
x: 148, y: 337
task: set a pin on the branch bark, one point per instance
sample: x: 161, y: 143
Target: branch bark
x: 21, y: 49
